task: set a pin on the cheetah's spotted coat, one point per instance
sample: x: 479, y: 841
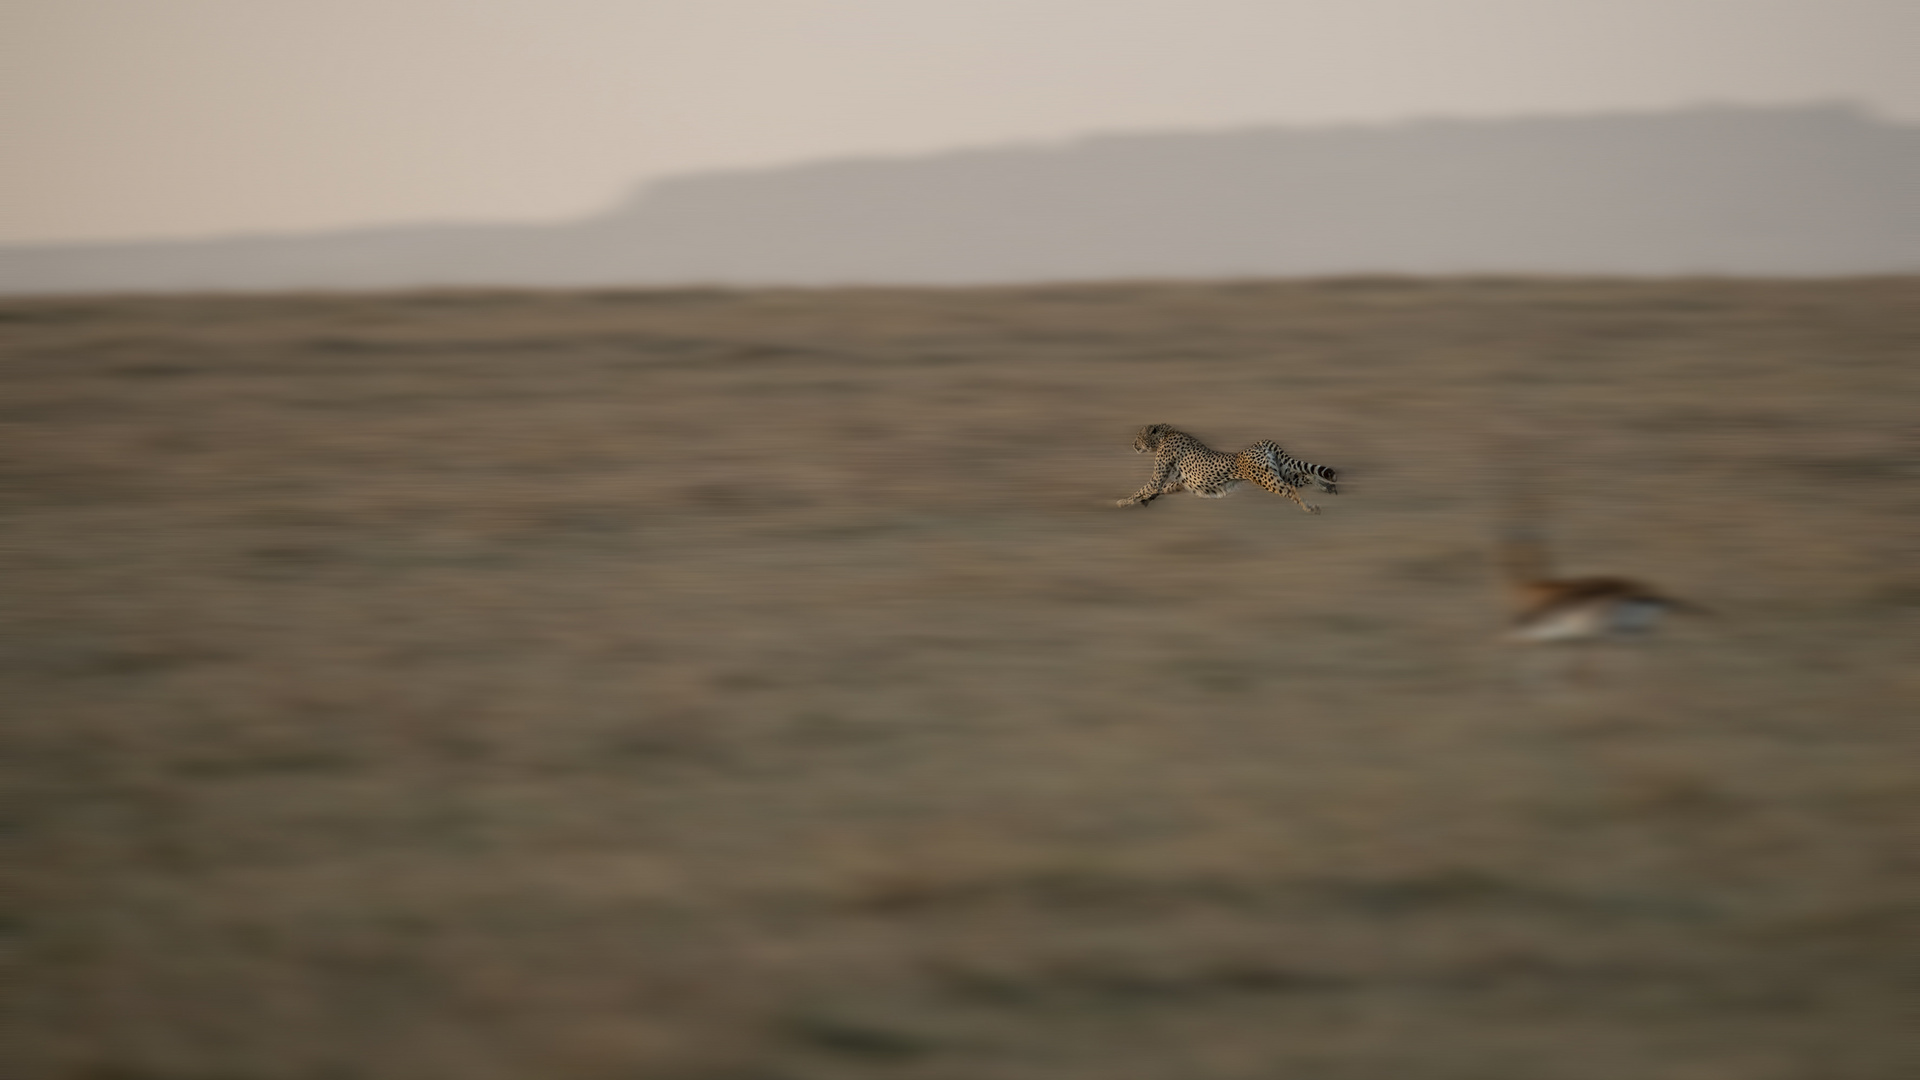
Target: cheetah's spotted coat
x: 1181, y: 461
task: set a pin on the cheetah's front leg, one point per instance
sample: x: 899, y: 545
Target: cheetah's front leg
x: 1155, y: 488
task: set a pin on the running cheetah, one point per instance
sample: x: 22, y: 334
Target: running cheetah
x: 1210, y: 474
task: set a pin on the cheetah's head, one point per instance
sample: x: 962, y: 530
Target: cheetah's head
x: 1150, y: 437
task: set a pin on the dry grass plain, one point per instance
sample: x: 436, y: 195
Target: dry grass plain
x: 707, y: 685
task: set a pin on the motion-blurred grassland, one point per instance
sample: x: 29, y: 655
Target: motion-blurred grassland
x: 764, y: 686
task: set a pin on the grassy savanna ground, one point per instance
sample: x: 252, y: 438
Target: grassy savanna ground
x: 764, y: 686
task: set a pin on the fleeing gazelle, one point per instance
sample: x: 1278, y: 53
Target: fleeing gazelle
x: 1544, y: 608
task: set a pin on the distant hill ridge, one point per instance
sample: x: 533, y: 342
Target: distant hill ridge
x: 1814, y: 191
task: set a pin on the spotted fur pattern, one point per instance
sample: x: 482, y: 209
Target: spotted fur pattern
x: 1182, y: 462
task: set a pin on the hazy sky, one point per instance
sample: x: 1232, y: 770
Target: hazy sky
x: 150, y: 118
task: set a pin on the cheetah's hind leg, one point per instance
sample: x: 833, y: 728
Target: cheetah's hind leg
x: 1269, y: 479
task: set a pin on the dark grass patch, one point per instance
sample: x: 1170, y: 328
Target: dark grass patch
x: 278, y: 762
x: 1093, y: 981
x: 855, y: 1038
x: 1466, y: 890
x: 153, y: 371
x: 135, y: 662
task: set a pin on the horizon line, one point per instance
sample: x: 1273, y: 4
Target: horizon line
x: 635, y: 190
